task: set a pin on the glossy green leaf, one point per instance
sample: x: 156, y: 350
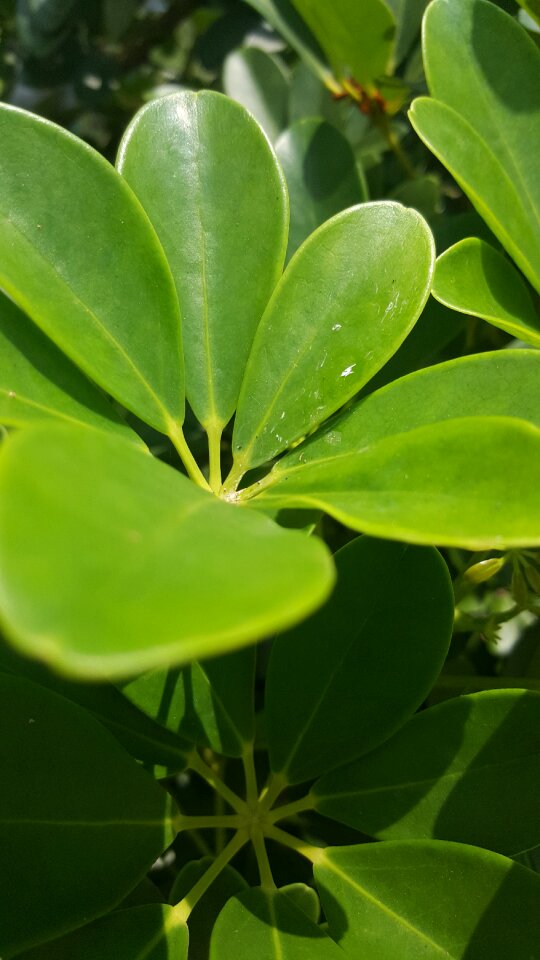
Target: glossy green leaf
x: 257, y: 81
x: 139, y: 734
x: 321, y: 173
x: 80, y: 824
x: 474, y: 278
x: 348, y: 298
x: 426, y: 900
x: 484, y: 72
x: 356, y: 37
x: 408, y: 14
x: 93, y: 278
x: 471, y: 483
x: 139, y: 933
x: 201, y: 921
x: 210, y: 183
x: 282, y: 15
x: 37, y: 382
x: 343, y: 681
x: 268, y: 926
x: 498, y: 383
x: 310, y: 97
x: 467, y: 770
x: 157, y: 551
x: 208, y: 703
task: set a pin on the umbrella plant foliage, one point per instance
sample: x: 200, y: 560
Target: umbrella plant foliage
x: 135, y: 575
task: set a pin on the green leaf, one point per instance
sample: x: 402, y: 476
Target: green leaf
x: 258, y: 82
x: 347, y: 300
x: 208, y: 703
x: 356, y: 37
x: 305, y: 899
x: 93, y: 278
x: 467, y: 770
x: 268, y: 926
x: 157, y: 582
x: 424, y: 900
x: 408, y: 14
x: 37, y: 382
x: 80, y: 824
x: 321, y: 173
x: 471, y: 483
x: 138, y: 933
x: 343, y: 681
x: 532, y: 7
x: 498, y: 383
x: 476, y: 279
x: 137, y: 733
x: 358, y: 451
x: 282, y: 16
x: 206, y: 911
x: 484, y: 72
x: 217, y: 198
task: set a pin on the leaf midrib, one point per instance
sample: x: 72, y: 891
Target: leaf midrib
x: 96, y: 322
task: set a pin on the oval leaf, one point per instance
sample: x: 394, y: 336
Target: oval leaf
x: 93, y: 278
x: 138, y: 933
x: 426, y: 900
x: 346, y: 679
x: 321, y: 173
x: 283, y: 17
x: 268, y: 925
x: 114, y: 563
x: 37, y: 382
x: 356, y: 37
x: 476, y: 279
x: 208, y: 703
x: 484, y: 71
x: 471, y: 483
x: 80, y: 824
x: 137, y: 732
x: 452, y: 773
x: 206, y: 175
x: 258, y: 82
x: 348, y: 298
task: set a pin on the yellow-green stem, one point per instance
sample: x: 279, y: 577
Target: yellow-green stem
x: 275, y: 785
x: 176, y: 435
x: 314, y: 854
x: 214, y: 432
x: 263, y: 863
x: 252, y: 791
x: 291, y: 809
x: 197, y: 764
x: 184, y: 908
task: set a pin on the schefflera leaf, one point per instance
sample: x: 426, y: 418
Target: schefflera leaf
x: 142, y: 737
x: 80, y: 257
x: 208, y: 703
x: 344, y: 680
x: 474, y: 278
x: 443, y: 455
x: 483, y: 72
x: 347, y: 300
x: 356, y: 37
x: 453, y: 772
x: 321, y: 173
x: 112, y: 563
x: 38, y: 382
x: 206, y: 911
x: 423, y: 900
x: 266, y: 924
x: 208, y: 179
x: 80, y: 822
x: 149, y: 932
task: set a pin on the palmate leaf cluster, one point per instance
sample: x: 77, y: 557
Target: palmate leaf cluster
x: 135, y: 577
